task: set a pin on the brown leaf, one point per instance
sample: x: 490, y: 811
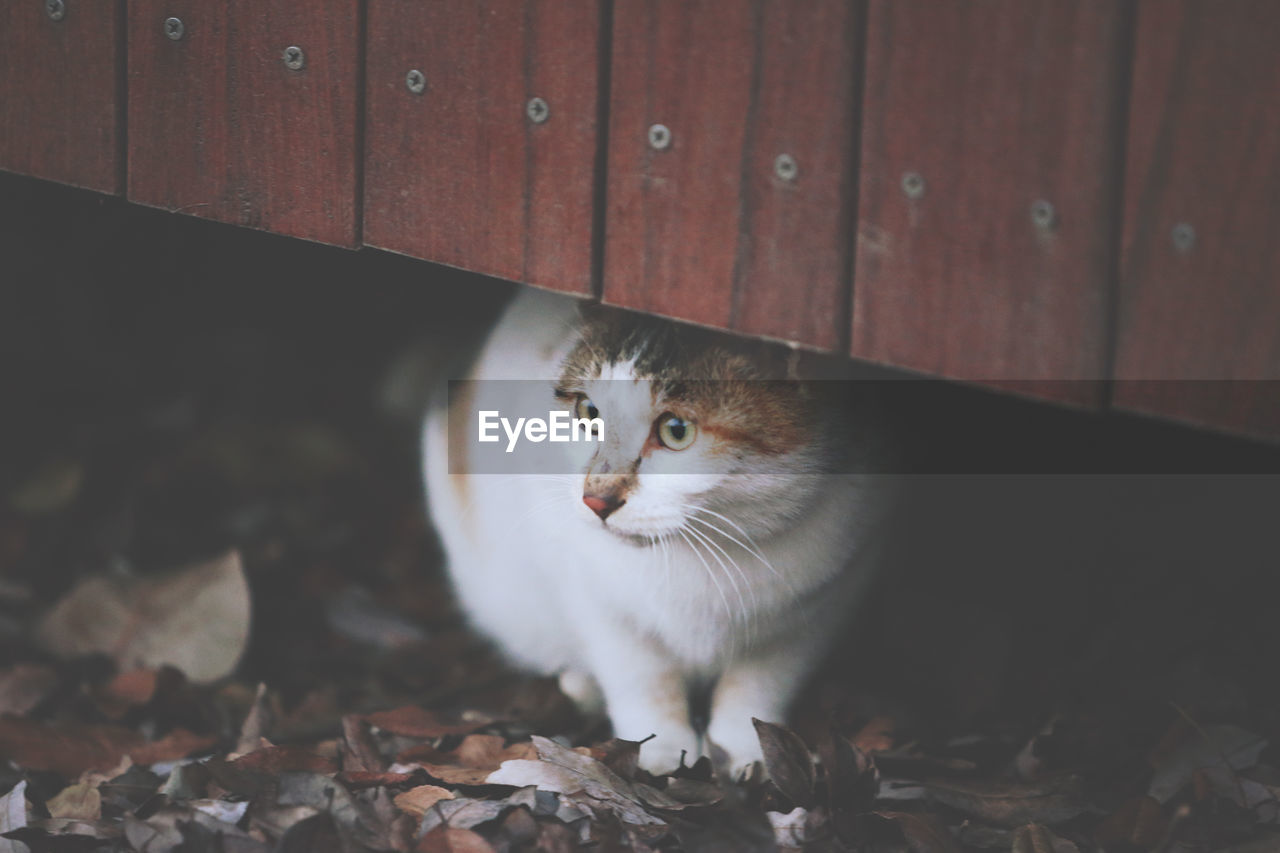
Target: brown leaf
x: 25, y: 686
x: 68, y: 751
x: 80, y: 801
x: 284, y: 759
x: 358, y: 780
x: 196, y: 620
x: 416, y: 801
x: 923, y: 833
x: 1139, y: 822
x: 1049, y: 801
x: 564, y: 771
x: 359, y: 751
x: 413, y: 721
x: 126, y: 691
x: 473, y: 760
x: 876, y: 736
x: 178, y: 744
x: 448, y: 839
x: 787, y: 761
x: 620, y: 756
x: 1034, y: 838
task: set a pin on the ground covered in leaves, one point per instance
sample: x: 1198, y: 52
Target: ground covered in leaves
x: 223, y: 628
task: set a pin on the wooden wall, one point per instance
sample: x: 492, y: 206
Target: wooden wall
x: 1075, y: 200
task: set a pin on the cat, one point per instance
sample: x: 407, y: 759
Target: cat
x: 709, y: 543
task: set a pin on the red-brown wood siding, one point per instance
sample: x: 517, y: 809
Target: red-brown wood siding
x: 1200, y: 289
x: 705, y: 229
x: 219, y: 127
x: 461, y: 173
x: 996, y: 106
x: 59, y: 112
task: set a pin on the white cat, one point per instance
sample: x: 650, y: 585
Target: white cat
x: 706, y: 546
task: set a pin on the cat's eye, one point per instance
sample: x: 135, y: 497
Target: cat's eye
x: 675, y: 432
x: 584, y: 408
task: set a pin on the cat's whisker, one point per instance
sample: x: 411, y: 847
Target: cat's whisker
x: 749, y: 615
x: 753, y: 549
x: 728, y: 611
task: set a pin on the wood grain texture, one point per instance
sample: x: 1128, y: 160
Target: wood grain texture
x: 1199, y: 326
x: 705, y: 230
x: 996, y: 105
x: 60, y: 114
x: 219, y: 127
x: 459, y: 173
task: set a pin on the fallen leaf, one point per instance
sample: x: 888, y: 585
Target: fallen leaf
x: 564, y: 771
x: 80, y: 801
x: 923, y: 833
x: 283, y: 759
x: 417, y: 800
x: 126, y: 691
x: 25, y: 686
x: 13, y: 816
x: 471, y: 762
x: 415, y: 722
x: 359, y: 751
x: 1034, y: 838
x: 1139, y: 822
x: 176, y: 745
x: 462, y: 813
x: 1049, y: 801
x: 358, y: 780
x: 196, y: 620
x: 68, y: 751
x: 787, y: 761
x: 876, y: 736
x: 1211, y: 746
x: 450, y: 839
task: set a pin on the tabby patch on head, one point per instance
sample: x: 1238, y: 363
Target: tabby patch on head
x: 680, y: 401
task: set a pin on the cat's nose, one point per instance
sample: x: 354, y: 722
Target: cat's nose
x: 603, y: 505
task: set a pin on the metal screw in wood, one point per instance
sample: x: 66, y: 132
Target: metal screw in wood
x: 912, y: 185
x: 1043, y: 215
x: 785, y: 167
x: 1183, y: 236
x: 415, y: 81
x: 174, y: 28
x: 294, y: 58
x: 55, y: 9
x: 659, y: 137
x: 537, y: 110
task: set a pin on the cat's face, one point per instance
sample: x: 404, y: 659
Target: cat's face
x: 695, y: 438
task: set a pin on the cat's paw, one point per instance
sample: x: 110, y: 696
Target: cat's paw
x: 735, y: 750
x: 662, y: 755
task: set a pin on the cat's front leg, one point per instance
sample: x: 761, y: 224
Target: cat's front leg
x: 761, y: 685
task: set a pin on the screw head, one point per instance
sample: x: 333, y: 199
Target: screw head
x: 785, y: 167
x: 415, y: 81
x: 1183, y: 236
x: 55, y: 9
x: 912, y: 185
x: 294, y: 58
x: 1043, y: 214
x: 174, y: 28
x: 659, y: 137
x: 537, y: 110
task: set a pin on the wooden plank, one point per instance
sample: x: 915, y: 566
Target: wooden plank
x: 220, y: 127
x: 995, y: 106
x: 705, y: 229
x: 460, y: 173
x: 60, y: 97
x: 1199, y: 319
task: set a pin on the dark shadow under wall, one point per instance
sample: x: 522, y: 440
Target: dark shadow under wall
x: 124, y: 329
